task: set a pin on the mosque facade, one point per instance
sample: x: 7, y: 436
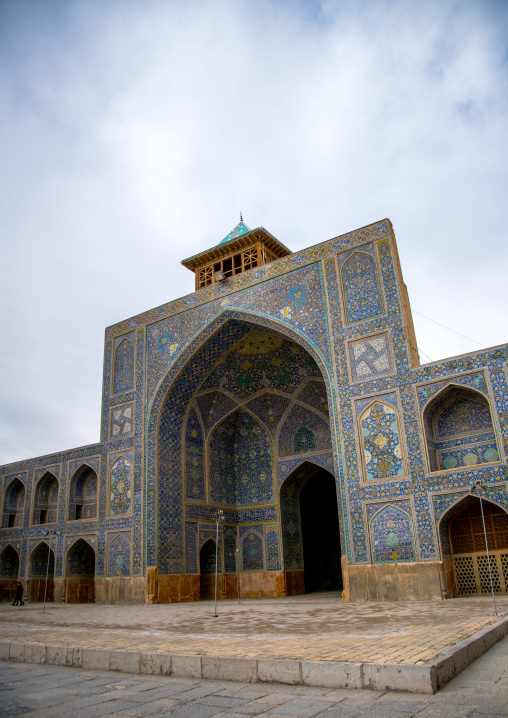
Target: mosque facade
x: 277, y: 425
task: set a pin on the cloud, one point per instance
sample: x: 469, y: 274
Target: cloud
x: 134, y: 133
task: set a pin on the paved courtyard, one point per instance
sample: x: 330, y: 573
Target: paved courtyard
x: 312, y: 627
x: 51, y: 692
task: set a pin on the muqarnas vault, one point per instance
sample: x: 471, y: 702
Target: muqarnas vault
x: 287, y: 392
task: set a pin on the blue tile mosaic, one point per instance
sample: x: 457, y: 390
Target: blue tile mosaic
x: 218, y: 397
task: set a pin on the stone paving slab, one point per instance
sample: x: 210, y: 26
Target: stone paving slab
x: 300, y: 640
x: 36, y: 691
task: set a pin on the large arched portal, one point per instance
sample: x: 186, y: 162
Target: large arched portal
x: 248, y: 404
x: 464, y: 550
x: 310, y: 530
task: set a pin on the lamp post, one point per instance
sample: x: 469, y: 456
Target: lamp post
x: 476, y: 488
x: 219, y: 517
x: 237, y: 555
x: 54, y: 532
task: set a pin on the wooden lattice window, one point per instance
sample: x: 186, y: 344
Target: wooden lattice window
x: 466, y: 529
x: 205, y: 276
x: 250, y: 258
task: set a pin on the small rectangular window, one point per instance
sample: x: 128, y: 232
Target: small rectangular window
x: 227, y: 267
x: 44, y: 516
x: 79, y: 512
x: 12, y: 520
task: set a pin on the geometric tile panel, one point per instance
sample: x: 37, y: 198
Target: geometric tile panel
x: 120, y: 487
x: 370, y: 357
x: 122, y: 421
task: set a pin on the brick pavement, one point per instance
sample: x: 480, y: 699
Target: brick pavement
x: 318, y: 627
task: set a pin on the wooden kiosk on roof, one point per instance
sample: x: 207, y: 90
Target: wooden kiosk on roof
x: 241, y: 250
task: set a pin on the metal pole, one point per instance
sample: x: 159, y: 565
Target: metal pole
x: 46, y: 584
x: 237, y: 551
x: 488, y: 559
x: 215, y: 615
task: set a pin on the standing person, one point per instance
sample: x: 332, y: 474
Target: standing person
x: 18, y: 599
x: 1, y: 592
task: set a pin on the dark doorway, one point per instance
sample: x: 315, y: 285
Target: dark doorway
x: 207, y: 570
x: 320, y: 533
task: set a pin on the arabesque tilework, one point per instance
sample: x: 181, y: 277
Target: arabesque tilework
x: 235, y: 395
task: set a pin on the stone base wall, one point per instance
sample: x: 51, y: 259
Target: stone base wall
x: 120, y: 590
x: 295, y: 583
x: 80, y: 589
x: 262, y: 583
x: 394, y: 582
x: 178, y: 588
x: 9, y: 589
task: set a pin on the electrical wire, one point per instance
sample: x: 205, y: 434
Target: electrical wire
x: 450, y: 330
x: 425, y: 355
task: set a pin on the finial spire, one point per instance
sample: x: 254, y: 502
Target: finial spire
x: 241, y: 217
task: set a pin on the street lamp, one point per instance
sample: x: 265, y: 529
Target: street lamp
x: 54, y: 532
x: 237, y: 556
x: 219, y: 517
x: 476, y: 488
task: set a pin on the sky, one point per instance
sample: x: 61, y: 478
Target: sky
x: 133, y: 132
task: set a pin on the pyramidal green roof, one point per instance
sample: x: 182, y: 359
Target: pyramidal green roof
x: 241, y: 228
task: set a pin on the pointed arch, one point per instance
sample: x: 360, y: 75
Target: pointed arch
x: 311, y: 539
x: 83, y: 494
x: 463, y: 548
x: 164, y: 519
x: 381, y: 441
x: 14, y: 504
x: 9, y: 562
x: 302, y: 430
x: 459, y: 430
x: 80, y: 563
x: 9, y: 571
x: 38, y: 566
x: 45, y: 509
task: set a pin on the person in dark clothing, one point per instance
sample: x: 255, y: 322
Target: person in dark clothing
x: 1, y: 592
x: 18, y: 599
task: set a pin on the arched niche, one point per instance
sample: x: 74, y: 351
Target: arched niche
x: 303, y: 430
x: 45, y: 510
x: 39, y: 568
x: 459, y: 430
x: 14, y: 505
x: 310, y: 530
x: 80, y: 573
x: 241, y: 461
x: 9, y: 570
x: 380, y: 436
x: 463, y: 547
x: 83, y: 494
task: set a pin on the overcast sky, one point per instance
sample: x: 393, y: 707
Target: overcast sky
x: 133, y: 133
